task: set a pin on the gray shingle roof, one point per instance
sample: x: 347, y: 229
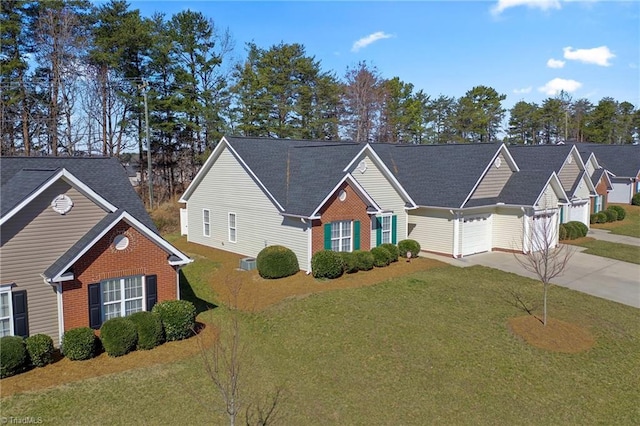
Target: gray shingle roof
x: 437, y: 175
x: 621, y: 160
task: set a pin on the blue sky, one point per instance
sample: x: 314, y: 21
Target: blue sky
x: 525, y: 49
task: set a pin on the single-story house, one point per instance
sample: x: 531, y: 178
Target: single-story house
x: 622, y: 162
x: 314, y: 195
x: 600, y: 179
x: 77, y: 246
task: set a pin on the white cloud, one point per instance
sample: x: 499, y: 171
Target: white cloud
x: 555, y: 86
x: 523, y: 90
x: 371, y: 38
x: 503, y: 5
x: 555, y: 63
x: 597, y: 55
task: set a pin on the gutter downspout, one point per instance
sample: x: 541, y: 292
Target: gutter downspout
x: 456, y: 233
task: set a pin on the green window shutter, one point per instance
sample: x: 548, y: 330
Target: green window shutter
x: 394, y: 229
x: 562, y: 214
x: 327, y: 236
x: 356, y: 235
x: 378, y: 231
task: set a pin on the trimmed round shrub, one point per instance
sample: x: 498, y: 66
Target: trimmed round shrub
x: 593, y: 218
x: 582, y: 229
x: 635, y: 200
x: 602, y: 217
x: 572, y: 230
x: 178, y: 318
x: 276, y: 262
x: 79, y: 344
x: 40, y: 349
x: 563, y: 233
x: 393, y: 250
x: 13, y: 356
x: 149, y: 328
x: 621, y: 212
x: 118, y: 336
x: 364, y: 260
x: 406, y: 246
x: 349, y: 262
x: 327, y: 264
x: 381, y: 256
x: 612, y: 215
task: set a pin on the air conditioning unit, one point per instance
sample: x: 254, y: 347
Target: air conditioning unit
x: 248, y: 263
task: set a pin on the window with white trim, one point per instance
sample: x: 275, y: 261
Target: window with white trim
x: 385, y: 223
x: 341, y: 233
x: 206, y: 222
x: 6, y: 317
x: 122, y: 296
x: 233, y: 230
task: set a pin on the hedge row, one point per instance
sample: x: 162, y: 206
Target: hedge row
x: 118, y: 336
x: 611, y: 214
x: 572, y: 230
x: 330, y: 264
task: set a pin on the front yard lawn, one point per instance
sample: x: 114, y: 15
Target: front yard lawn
x: 623, y: 252
x: 431, y: 347
x: 629, y: 226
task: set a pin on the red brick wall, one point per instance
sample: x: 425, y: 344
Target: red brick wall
x: 352, y: 208
x: 601, y: 189
x: 103, y: 261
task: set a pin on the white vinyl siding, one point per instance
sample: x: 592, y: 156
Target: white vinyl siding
x: 206, y: 222
x: 6, y: 317
x: 569, y: 173
x: 27, y: 251
x: 507, y: 228
x: 122, y: 296
x: 494, y: 180
x: 433, y: 229
x: 341, y: 235
x: 383, y: 193
x: 549, y: 199
x: 233, y: 230
x: 227, y: 187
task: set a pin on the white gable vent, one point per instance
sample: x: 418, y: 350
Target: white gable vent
x: 362, y: 166
x: 248, y: 263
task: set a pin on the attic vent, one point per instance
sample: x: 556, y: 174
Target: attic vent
x: 569, y: 160
x: 362, y: 166
x: 248, y: 263
x: 497, y: 163
x: 62, y: 204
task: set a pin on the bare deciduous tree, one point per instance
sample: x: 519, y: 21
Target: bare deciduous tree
x: 543, y: 256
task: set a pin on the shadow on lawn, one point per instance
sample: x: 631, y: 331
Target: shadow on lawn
x: 187, y: 293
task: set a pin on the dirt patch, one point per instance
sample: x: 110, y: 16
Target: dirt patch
x: 556, y: 336
x: 66, y: 371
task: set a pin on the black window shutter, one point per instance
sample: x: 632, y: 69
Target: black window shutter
x: 20, y: 317
x: 152, y: 290
x: 95, y: 306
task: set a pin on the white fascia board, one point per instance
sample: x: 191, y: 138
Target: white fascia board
x: 253, y: 175
x: 203, y: 170
x: 577, y: 154
x: 486, y: 169
x: 141, y: 228
x: 73, y: 181
x: 385, y: 170
x: 509, y: 158
x: 557, y: 187
x: 354, y: 183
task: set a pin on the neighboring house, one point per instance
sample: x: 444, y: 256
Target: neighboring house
x: 600, y: 179
x: 565, y: 161
x: 77, y: 246
x: 623, y: 164
x: 314, y: 195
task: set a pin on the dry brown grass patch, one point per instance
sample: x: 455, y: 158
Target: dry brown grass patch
x: 556, y: 336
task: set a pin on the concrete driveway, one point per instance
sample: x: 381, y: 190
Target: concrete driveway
x: 594, y: 275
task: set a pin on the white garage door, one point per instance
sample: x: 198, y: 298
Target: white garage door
x: 579, y: 212
x: 476, y: 235
x: 543, y: 232
x: 621, y: 193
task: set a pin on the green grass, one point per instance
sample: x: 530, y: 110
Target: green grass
x: 623, y: 252
x: 630, y: 226
x: 430, y: 348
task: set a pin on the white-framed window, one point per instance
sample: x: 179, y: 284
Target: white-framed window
x: 122, y: 296
x: 233, y: 230
x: 6, y: 312
x: 385, y: 223
x: 206, y: 222
x: 341, y: 233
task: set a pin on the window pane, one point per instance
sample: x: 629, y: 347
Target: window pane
x: 111, y: 291
x: 335, y: 230
x: 335, y: 245
x: 4, y: 305
x: 133, y: 306
x: 232, y: 234
x: 111, y: 311
x: 232, y: 220
x: 205, y: 216
x: 132, y: 287
x: 346, y: 244
x: 346, y: 229
x: 5, y: 327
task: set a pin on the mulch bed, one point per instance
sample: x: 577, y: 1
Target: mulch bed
x: 556, y: 336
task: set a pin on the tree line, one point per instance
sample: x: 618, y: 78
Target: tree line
x: 74, y: 78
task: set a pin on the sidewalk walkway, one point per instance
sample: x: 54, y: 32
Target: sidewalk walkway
x: 603, y: 234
